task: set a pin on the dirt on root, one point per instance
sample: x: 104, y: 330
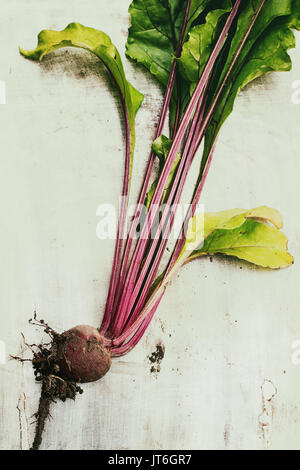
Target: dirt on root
x: 47, y: 372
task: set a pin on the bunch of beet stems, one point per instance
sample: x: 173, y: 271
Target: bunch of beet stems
x: 134, y: 295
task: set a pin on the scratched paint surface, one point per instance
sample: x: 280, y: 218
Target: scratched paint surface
x: 227, y: 380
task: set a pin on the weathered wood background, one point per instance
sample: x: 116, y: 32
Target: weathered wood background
x: 227, y: 380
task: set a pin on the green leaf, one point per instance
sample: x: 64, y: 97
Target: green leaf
x: 201, y: 226
x: 161, y: 148
x: 98, y: 43
x: 153, y: 38
x: 253, y: 241
x: 155, y: 30
x: 243, y: 234
x: 265, y: 51
x: 293, y: 20
x: 199, y: 46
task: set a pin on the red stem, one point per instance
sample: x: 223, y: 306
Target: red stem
x: 149, y: 308
x: 122, y: 219
x: 125, y: 348
x: 191, y: 212
x: 144, y: 188
x: 199, y: 188
x: 154, y: 206
x: 143, y: 192
x: 172, y: 201
x: 144, y: 314
x: 114, y: 295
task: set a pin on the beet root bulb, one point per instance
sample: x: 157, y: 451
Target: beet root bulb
x: 82, y: 356
x: 74, y: 357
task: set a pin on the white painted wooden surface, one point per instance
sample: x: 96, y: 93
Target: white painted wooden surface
x: 227, y: 380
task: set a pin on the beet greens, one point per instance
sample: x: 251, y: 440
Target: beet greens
x: 204, y: 52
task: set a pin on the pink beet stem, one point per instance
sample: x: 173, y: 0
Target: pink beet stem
x: 143, y: 192
x: 137, y: 336
x: 173, y: 198
x: 159, y: 292
x: 122, y: 220
x: 154, y: 206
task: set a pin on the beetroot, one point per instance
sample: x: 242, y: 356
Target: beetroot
x: 74, y: 357
x: 82, y: 356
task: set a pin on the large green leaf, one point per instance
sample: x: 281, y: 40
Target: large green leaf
x: 265, y: 51
x: 241, y: 233
x: 155, y: 30
x: 253, y: 241
x: 97, y: 42
x: 245, y: 234
x: 153, y: 38
x: 202, y: 38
